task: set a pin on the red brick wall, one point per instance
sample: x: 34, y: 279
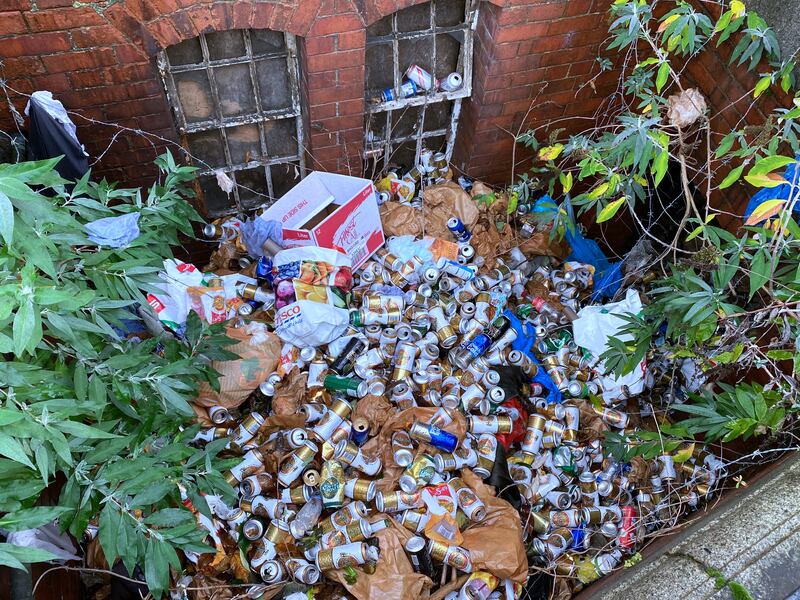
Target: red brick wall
x: 533, y: 59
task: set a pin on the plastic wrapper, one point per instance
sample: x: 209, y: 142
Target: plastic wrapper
x: 258, y: 351
x: 686, y: 108
x: 312, y: 286
x: 172, y: 304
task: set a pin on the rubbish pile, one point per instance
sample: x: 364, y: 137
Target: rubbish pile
x: 422, y: 419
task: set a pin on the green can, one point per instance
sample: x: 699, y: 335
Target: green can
x: 351, y: 386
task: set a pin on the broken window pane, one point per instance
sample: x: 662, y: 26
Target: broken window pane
x: 449, y: 12
x: 216, y: 201
x: 185, y: 53
x: 207, y: 146
x: 253, y: 187
x: 273, y: 84
x: 225, y: 44
x: 414, y: 18
x: 376, y: 128
x: 379, y: 67
x: 194, y: 95
x: 284, y: 178
x: 264, y: 41
x: 447, y: 51
x: 416, y: 51
x: 435, y: 144
x: 404, y: 155
x: 405, y: 121
x: 244, y: 143
x: 235, y: 90
x: 281, y: 137
x: 417, y: 31
x: 437, y: 116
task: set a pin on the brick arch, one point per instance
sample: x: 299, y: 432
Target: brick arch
x: 156, y: 24
x: 377, y: 9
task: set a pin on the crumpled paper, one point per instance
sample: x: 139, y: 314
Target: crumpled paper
x: 206, y: 587
x: 114, y: 232
x: 440, y: 202
x: 394, y: 577
x: 221, y: 258
x: 381, y: 444
x: 375, y: 409
x: 259, y: 351
x: 495, y: 544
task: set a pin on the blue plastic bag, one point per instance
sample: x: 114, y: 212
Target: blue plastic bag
x: 524, y: 342
x: 607, y: 275
x: 780, y: 192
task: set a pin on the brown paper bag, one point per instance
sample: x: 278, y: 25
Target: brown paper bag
x: 258, y: 357
x: 290, y: 393
x: 375, y: 409
x: 495, y: 544
x: 401, y: 219
x: 394, y: 577
x: 205, y: 587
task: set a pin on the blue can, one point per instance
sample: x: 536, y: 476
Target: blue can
x: 264, y: 271
x: 430, y: 434
x: 578, y: 538
x: 479, y: 345
x: 360, y: 431
x: 457, y: 228
x: 406, y: 90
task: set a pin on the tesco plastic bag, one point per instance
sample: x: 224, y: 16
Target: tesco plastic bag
x: 312, y: 292
x: 591, y: 330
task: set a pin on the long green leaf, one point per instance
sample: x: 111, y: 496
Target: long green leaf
x: 6, y: 219
x: 30, y: 518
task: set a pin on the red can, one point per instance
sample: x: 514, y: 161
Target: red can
x: 626, y: 529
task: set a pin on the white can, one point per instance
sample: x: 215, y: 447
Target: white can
x: 451, y: 83
x: 421, y: 77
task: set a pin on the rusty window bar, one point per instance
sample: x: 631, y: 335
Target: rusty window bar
x: 383, y: 147
x: 220, y: 123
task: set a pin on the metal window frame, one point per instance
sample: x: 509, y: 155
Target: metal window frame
x: 383, y: 149
x: 221, y: 124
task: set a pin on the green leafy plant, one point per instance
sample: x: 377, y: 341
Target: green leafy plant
x: 736, y: 411
x: 82, y: 398
x: 723, y: 304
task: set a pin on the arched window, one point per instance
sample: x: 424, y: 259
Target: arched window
x: 436, y: 36
x: 236, y: 103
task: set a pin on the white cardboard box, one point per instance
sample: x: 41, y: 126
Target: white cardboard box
x: 331, y: 211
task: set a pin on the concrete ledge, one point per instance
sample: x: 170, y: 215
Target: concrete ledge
x: 752, y: 538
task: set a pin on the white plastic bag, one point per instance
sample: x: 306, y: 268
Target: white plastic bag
x: 312, y: 290
x: 172, y: 305
x: 47, y: 537
x: 591, y: 330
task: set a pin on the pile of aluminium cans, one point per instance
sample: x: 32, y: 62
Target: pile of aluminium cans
x: 439, y: 335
